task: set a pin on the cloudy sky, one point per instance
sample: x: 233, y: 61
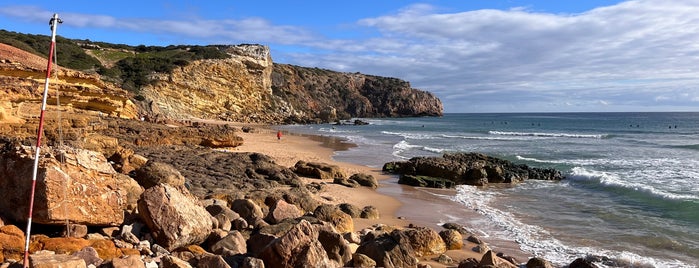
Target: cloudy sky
x: 476, y: 55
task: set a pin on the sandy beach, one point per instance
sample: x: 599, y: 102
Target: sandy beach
x: 423, y: 209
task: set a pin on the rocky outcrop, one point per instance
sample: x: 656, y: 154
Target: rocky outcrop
x: 72, y: 185
x: 319, y: 93
x: 465, y: 168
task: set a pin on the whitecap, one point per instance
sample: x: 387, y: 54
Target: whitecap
x: 545, y: 134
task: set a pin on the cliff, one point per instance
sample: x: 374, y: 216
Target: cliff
x: 244, y: 86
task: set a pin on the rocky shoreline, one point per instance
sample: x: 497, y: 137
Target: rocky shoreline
x: 186, y: 203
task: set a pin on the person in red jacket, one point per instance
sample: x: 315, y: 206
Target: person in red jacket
x: 279, y: 135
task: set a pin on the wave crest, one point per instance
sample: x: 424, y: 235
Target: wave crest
x: 550, y: 135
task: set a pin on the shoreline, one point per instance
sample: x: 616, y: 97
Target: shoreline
x: 398, y: 205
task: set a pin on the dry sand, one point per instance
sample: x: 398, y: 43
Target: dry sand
x: 292, y: 148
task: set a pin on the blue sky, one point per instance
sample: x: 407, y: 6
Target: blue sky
x: 476, y: 56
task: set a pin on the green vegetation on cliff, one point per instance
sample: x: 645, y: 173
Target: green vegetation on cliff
x: 133, y: 64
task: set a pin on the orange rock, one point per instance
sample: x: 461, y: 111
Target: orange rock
x: 65, y: 245
x: 11, y: 243
x: 106, y: 249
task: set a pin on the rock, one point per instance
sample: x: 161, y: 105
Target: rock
x: 55, y: 261
x: 281, y: 210
x: 174, y: 219
x: 350, y: 209
x: 93, y: 196
x: 444, y: 259
x: 111, y: 231
x: 332, y: 214
x: 352, y: 237
x: 106, y: 249
x: 130, y: 261
x: 154, y: 173
x: 537, y: 262
x: 89, y: 255
x: 250, y: 262
x: 11, y: 243
x: 474, y: 239
x: 369, y: 212
x: 489, y: 259
x: 452, y: 239
x: 223, y: 222
x: 361, y: 260
x: 465, y: 168
x: 481, y: 248
x: 62, y: 245
x: 365, y: 180
x: 328, y: 114
x: 335, y: 245
x: 456, y: 227
x: 239, y: 224
x: 297, y: 248
x: 580, y: 263
x: 321, y: 171
x: 232, y: 244
x: 468, y: 263
x: 132, y: 188
x: 223, y: 139
x: 212, y: 261
x: 174, y: 262
x: 425, y: 241
x: 389, y: 250
x: 217, y: 208
x: 346, y: 182
x: 247, y: 209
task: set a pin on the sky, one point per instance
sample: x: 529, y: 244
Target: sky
x: 476, y: 55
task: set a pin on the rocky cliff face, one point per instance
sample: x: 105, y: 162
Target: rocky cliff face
x: 249, y: 87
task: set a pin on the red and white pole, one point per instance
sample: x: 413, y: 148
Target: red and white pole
x: 54, y: 24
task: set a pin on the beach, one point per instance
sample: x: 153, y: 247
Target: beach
x: 398, y: 205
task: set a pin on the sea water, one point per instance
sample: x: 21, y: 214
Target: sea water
x: 631, y: 193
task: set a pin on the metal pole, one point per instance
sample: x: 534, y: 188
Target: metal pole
x: 54, y: 24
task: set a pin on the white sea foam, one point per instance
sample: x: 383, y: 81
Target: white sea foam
x: 539, y: 242
x: 485, y: 138
x: 411, y: 135
x: 335, y: 130
x: 544, y: 134
x: 612, y: 179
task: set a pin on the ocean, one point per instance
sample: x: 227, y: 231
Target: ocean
x: 630, y: 197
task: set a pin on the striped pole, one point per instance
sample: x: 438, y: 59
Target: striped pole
x: 54, y: 24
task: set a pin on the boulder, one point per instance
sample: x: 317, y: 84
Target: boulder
x: 299, y: 247
x: 538, y: 262
x: 174, y: 262
x: 89, y: 255
x: 82, y: 189
x: 129, y: 261
x: 369, y: 212
x: 250, y: 262
x: 11, y: 243
x: 425, y: 241
x: 332, y: 214
x: 489, y: 259
x: 61, y: 245
x: 361, y: 260
x: 74, y: 230
x: 365, y: 180
x: 49, y: 260
x: 154, y: 173
x: 281, y: 210
x: 351, y: 210
x: 316, y: 170
x: 335, y: 245
x: 247, y: 209
x: 581, y: 263
x: 174, y: 218
x: 230, y: 245
x: 346, y: 182
x: 452, y: 239
x: 212, y: 261
x: 389, y: 250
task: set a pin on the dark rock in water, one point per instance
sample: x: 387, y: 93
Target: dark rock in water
x: 358, y: 122
x: 537, y: 262
x: 582, y: 263
x: 465, y: 168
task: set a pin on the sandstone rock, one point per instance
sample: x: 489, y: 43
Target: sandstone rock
x: 212, y: 261
x: 346, y: 182
x: 106, y: 249
x: 281, y: 210
x: 474, y: 239
x: 247, y: 209
x: 352, y: 237
x: 174, y: 262
x: 218, y: 207
x: 365, y: 180
x: 223, y: 222
x: 335, y: 245
x: 369, y: 212
x: 250, y: 262
x: 56, y: 261
x: 297, y: 248
x: 82, y: 190
x: 154, y: 173
x: 332, y: 214
x: 174, y: 219
x: 581, y: 263
x: 11, y: 243
x: 62, y: 245
x: 74, y: 230
x: 452, y: 239
x: 321, y: 171
x: 130, y: 261
x: 230, y: 245
x: 455, y: 226
x: 389, y: 250
x: 489, y: 259
x: 351, y: 210
x: 537, y: 262
x: 468, y: 263
x: 89, y: 255
x: 444, y: 259
x: 361, y: 260
x: 425, y: 241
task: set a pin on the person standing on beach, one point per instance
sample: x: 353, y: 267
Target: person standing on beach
x: 279, y: 135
